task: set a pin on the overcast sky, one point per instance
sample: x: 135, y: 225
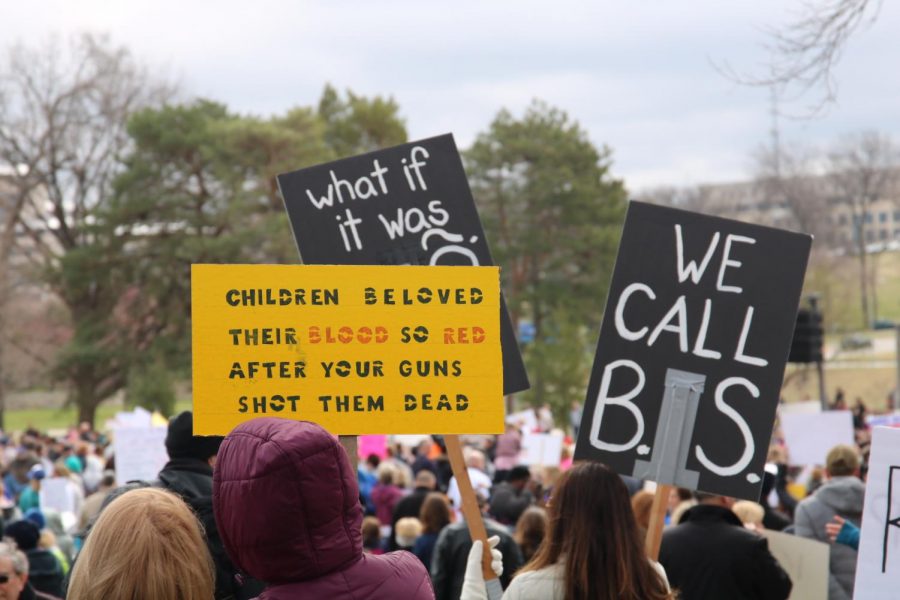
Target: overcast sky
x: 638, y: 75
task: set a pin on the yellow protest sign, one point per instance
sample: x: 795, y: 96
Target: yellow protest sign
x: 357, y: 349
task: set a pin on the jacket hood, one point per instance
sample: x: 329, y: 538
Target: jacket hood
x: 844, y: 495
x: 286, y: 501
x: 188, y: 477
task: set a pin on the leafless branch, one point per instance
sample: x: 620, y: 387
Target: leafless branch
x: 806, y: 51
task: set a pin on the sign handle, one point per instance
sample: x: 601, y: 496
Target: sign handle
x: 657, y: 520
x: 349, y: 442
x: 470, y: 507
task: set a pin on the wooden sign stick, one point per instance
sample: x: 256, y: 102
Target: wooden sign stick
x: 472, y: 513
x: 349, y: 442
x: 657, y: 520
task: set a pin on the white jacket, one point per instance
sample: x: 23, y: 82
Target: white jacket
x: 547, y: 584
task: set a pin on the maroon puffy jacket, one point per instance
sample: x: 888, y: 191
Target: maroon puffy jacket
x: 287, y: 506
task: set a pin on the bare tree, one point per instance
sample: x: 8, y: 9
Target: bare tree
x: 806, y: 51
x: 862, y: 171
x: 63, y: 114
x: 788, y: 178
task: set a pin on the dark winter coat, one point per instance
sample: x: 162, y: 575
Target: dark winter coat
x: 287, y: 506
x: 29, y: 593
x: 45, y: 573
x: 408, y: 506
x: 191, y: 479
x: 451, y: 551
x: 711, y: 555
x: 838, y: 496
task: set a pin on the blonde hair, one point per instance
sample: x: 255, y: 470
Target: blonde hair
x: 387, y: 474
x: 750, y: 513
x: 147, y: 544
x: 47, y: 539
x: 407, y: 530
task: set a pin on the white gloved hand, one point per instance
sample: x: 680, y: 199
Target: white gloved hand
x: 496, y: 555
x: 473, y: 583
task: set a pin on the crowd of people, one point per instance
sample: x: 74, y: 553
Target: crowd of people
x: 276, y: 510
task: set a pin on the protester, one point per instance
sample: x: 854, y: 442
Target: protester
x: 750, y: 513
x: 65, y: 543
x: 481, y: 483
x: 510, y: 498
x: 411, y: 504
x: 531, y: 529
x: 146, y: 544
x: 592, y: 550
x: 774, y: 519
x: 840, y: 495
x: 47, y: 541
x: 442, y: 467
x: 859, y: 414
x: 44, y: 570
x: 450, y: 555
x: 711, y: 555
x: 286, y: 501
x: 91, y: 507
x: 422, y: 461
x: 73, y: 464
x: 30, y: 496
x: 434, y: 516
x: 366, y: 479
x: 371, y: 536
x: 14, y: 584
x: 816, y: 479
x: 677, y: 495
x: 403, y: 473
x: 386, y: 495
x: 641, y: 503
x: 506, y: 452
x: 189, y: 474
x: 18, y: 479
x: 408, y: 531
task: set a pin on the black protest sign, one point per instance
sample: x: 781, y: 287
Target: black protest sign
x: 406, y: 205
x: 692, y: 350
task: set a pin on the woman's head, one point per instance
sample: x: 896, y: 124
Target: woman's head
x: 13, y: 571
x: 592, y: 527
x: 531, y: 529
x: 371, y: 532
x: 435, y: 513
x: 387, y: 474
x: 145, y: 544
x: 286, y: 500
